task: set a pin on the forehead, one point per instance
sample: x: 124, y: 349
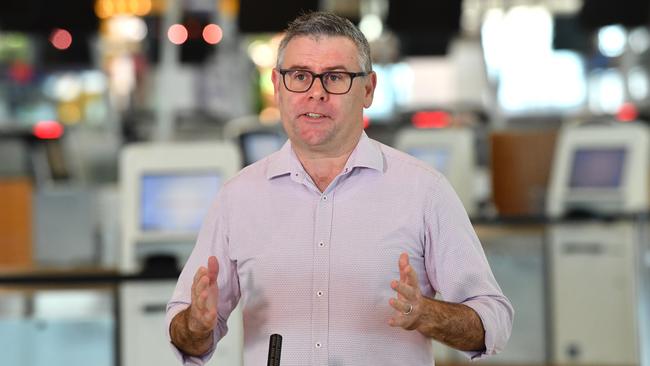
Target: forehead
x: 321, y: 52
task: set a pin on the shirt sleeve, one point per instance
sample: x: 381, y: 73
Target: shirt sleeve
x: 459, y: 271
x: 212, y: 240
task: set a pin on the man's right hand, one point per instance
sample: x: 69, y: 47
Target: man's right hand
x: 192, y: 329
x: 202, y: 316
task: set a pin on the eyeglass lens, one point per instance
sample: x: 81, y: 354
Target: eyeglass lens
x: 333, y: 82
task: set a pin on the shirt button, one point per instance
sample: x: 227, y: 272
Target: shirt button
x: 319, y: 293
x: 318, y: 345
x: 324, y: 198
x: 321, y: 244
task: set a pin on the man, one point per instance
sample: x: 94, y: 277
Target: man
x: 337, y: 242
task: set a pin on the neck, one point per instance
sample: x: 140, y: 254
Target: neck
x: 324, y: 167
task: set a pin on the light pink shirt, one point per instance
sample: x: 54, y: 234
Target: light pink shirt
x: 316, y: 266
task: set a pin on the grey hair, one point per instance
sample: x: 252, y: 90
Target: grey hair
x: 317, y: 24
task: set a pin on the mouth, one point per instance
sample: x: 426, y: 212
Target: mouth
x: 314, y: 115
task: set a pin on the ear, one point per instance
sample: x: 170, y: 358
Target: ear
x: 276, y: 79
x: 369, y: 88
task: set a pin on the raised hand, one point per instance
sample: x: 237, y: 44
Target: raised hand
x: 202, y: 316
x: 408, y: 304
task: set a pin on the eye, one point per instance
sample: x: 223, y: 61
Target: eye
x: 334, y: 77
x: 300, y: 75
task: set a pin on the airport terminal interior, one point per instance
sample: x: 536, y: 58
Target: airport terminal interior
x: 120, y: 120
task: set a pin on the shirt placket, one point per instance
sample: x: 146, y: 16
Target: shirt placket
x: 320, y: 285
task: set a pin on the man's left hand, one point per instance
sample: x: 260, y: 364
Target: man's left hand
x: 409, y: 303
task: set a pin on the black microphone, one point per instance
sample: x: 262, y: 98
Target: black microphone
x: 275, y: 347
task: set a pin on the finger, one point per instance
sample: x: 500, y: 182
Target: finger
x: 195, y: 290
x: 199, y: 273
x: 201, y: 293
x: 213, y: 269
x: 394, y: 284
x: 400, y: 305
x: 404, y: 290
x: 402, y: 263
x: 411, y: 276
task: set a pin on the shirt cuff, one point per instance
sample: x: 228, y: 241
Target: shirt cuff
x: 492, y: 328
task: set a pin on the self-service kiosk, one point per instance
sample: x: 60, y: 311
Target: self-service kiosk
x: 166, y: 190
x: 256, y: 140
x: 600, y: 170
x: 451, y: 151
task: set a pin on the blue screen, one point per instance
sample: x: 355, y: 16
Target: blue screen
x: 176, y: 202
x: 259, y: 145
x: 436, y: 157
x: 597, y: 168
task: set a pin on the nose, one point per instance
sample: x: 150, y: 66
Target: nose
x: 317, y: 90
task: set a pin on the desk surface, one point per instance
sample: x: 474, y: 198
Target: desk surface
x: 24, y: 276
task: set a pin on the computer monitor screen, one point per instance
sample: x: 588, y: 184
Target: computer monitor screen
x: 384, y: 100
x: 173, y: 202
x: 257, y: 145
x: 436, y: 157
x: 597, y: 168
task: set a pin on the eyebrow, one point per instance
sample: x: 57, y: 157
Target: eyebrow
x: 330, y: 68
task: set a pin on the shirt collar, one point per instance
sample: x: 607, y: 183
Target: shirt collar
x: 366, y: 154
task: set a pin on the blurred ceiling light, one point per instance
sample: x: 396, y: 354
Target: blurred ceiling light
x: 67, y: 87
x: 529, y: 30
x: 121, y: 71
x: 94, y: 82
x: 522, y: 35
x: 371, y: 27
x: 127, y: 28
x: 104, y: 9
x: 107, y: 8
x: 275, y: 40
x: 177, y: 34
x: 69, y: 113
x: 637, y: 82
x: 61, y: 39
x: 639, y: 39
x: 212, y: 33
x: 262, y: 54
x: 492, y: 33
x: 121, y: 6
x: 142, y: 8
x: 607, y: 92
x: 611, y: 40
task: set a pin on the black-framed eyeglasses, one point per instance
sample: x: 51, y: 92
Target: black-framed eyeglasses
x: 334, y: 82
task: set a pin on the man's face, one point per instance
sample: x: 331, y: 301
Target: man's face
x: 316, y: 121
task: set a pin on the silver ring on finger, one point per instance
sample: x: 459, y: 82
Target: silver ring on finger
x: 407, y: 312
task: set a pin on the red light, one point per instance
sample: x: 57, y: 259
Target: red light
x: 366, y: 122
x: 436, y: 119
x: 627, y: 113
x: 177, y: 34
x: 212, y: 33
x: 61, y: 39
x: 21, y: 72
x: 48, y: 130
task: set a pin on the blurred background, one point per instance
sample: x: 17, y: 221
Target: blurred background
x: 120, y: 120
